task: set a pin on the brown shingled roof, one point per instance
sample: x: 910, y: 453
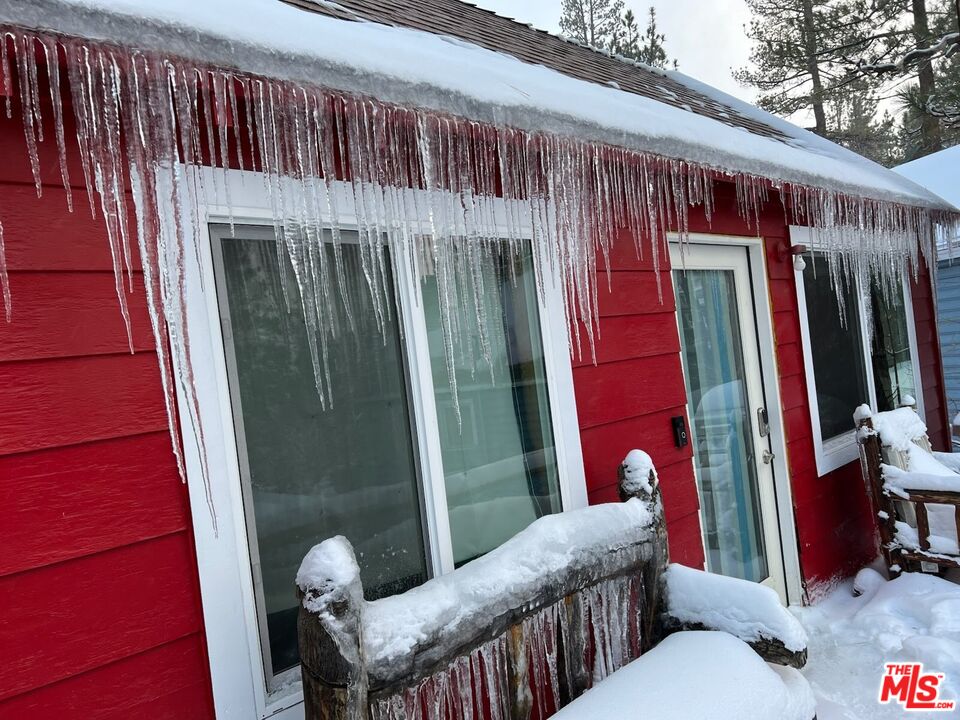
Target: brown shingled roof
x: 487, y: 29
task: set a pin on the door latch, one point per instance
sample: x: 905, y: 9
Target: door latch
x: 767, y: 457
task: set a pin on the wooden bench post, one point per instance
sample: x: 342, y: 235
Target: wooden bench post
x: 871, y: 457
x: 329, y: 627
x: 652, y: 572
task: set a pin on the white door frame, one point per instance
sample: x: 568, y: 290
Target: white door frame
x: 754, y: 246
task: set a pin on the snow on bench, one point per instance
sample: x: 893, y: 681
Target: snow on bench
x: 915, y: 491
x: 530, y: 626
x: 698, y: 676
x: 697, y: 600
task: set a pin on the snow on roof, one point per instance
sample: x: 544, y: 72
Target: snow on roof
x: 940, y: 174
x: 422, y: 69
x: 460, y: 19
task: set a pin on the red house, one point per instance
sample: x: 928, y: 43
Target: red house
x: 416, y: 274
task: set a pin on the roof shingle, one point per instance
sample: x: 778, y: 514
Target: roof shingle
x: 485, y: 28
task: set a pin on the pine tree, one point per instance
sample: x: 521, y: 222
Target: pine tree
x: 592, y: 22
x: 628, y: 37
x: 799, y: 51
x: 924, y: 54
x: 856, y: 124
x: 652, y: 50
x: 648, y: 48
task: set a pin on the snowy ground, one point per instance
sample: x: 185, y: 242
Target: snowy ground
x: 914, y: 618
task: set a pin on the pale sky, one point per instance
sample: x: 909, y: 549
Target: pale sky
x: 705, y: 36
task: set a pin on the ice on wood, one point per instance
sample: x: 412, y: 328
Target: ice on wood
x: 436, y: 619
x: 458, y: 604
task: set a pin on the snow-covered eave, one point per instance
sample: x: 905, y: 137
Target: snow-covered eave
x: 419, y: 69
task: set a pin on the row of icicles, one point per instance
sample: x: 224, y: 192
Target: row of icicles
x: 481, y: 684
x: 420, y: 184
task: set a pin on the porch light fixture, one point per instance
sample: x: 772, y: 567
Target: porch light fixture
x: 785, y: 250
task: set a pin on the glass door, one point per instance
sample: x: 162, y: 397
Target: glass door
x: 725, y: 400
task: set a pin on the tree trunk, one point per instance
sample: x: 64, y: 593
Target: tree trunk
x: 930, y: 125
x: 813, y: 67
x: 592, y: 25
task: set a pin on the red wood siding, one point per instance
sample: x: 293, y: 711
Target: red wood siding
x: 627, y: 398
x: 835, y: 528
x: 835, y: 534
x: 98, y: 582
x: 931, y: 363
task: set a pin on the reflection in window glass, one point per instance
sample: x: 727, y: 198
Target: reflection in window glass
x: 311, y: 473
x: 892, y: 361
x: 720, y: 418
x: 499, y: 461
x: 836, y: 347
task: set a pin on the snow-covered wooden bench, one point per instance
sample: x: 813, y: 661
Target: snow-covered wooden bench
x: 915, y: 492
x: 534, y: 624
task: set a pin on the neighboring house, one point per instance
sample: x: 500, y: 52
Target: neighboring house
x: 940, y: 173
x: 425, y: 404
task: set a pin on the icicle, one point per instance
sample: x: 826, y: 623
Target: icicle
x: 423, y: 186
x: 29, y: 103
x: 5, y: 76
x: 51, y: 56
x: 5, y: 280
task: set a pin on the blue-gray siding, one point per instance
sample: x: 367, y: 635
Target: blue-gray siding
x: 948, y: 315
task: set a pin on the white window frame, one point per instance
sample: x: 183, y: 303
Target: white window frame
x: 224, y: 560
x: 835, y: 452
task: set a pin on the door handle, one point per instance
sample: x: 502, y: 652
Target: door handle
x: 767, y: 457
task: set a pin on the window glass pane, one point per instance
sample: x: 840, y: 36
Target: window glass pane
x: 892, y: 362
x: 720, y: 416
x: 311, y: 473
x: 837, y: 348
x: 499, y: 462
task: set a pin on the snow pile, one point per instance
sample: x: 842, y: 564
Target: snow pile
x: 899, y: 428
x: 746, y: 610
x: 862, y: 413
x: 329, y: 573
x: 926, y: 473
x: 697, y: 676
x: 536, y: 562
x: 951, y: 461
x: 637, y: 469
x: 915, y: 618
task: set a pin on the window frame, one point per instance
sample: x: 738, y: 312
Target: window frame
x: 234, y: 637
x: 835, y: 452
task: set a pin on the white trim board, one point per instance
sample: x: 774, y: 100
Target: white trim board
x: 834, y: 453
x: 224, y: 559
x: 771, y: 381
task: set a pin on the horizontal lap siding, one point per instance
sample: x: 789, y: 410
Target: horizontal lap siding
x: 626, y: 398
x: 835, y: 530
x: 948, y: 309
x: 98, y: 583
x: 932, y: 363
